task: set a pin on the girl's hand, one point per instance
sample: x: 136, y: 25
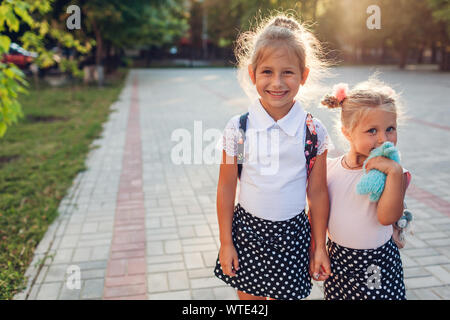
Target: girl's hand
x: 228, y: 258
x: 383, y: 164
x: 320, y: 268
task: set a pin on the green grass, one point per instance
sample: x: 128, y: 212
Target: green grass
x: 39, y: 158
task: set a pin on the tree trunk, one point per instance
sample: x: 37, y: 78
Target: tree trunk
x: 99, y: 45
x: 314, y: 13
x: 434, y: 53
x: 383, y: 52
x: 445, y: 58
x: 445, y: 49
x: 108, y: 61
x: 403, y: 54
x: 98, y: 53
x: 151, y: 55
x: 420, y: 55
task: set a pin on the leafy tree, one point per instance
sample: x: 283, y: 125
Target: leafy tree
x: 228, y: 18
x: 406, y: 26
x: 121, y: 24
x: 27, y: 16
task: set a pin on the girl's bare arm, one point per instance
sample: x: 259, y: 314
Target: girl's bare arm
x: 226, y: 193
x: 319, y: 206
x: 390, y: 205
x: 318, y: 200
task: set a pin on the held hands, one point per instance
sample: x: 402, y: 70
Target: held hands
x: 319, y: 266
x: 228, y: 258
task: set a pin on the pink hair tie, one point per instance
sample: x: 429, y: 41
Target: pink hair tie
x: 340, y: 91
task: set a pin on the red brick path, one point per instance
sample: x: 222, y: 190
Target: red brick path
x: 126, y: 271
x: 429, y: 199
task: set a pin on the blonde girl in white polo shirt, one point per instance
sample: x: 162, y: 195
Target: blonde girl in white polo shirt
x: 266, y: 238
x: 365, y: 260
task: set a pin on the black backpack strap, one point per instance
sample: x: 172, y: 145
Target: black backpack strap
x: 311, y: 144
x: 240, y: 154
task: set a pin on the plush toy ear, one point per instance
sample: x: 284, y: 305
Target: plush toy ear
x: 374, y: 153
x: 392, y: 153
x: 389, y: 152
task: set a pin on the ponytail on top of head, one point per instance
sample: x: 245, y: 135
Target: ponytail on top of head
x: 281, y: 29
x: 285, y: 22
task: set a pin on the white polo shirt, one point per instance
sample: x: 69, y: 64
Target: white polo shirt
x: 273, y: 177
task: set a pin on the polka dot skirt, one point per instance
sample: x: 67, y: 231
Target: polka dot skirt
x: 365, y: 274
x: 273, y: 256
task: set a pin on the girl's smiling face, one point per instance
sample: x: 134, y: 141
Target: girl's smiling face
x: 278, y: 77
x: 377, y: 127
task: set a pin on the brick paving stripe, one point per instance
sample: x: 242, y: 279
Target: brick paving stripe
x: 429, y: 199
x: 431, y: 124
x: 126, y: 271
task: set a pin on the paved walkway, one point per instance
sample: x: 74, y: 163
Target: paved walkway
x: 136, y: 225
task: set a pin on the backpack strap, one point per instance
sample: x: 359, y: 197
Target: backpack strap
x: 311, y: 148
x: 311, y: 144
x: 240, y: 154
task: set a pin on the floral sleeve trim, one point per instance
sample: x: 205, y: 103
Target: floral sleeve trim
x: 230, y: 138
x: 324, y: 140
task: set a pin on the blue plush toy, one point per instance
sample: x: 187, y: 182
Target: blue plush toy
x: 372, y: 182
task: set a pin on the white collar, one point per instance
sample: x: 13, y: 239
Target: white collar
x: 290, y: 123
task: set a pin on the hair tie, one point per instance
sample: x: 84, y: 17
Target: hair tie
x: 285, y: 22
x: 340, y: 92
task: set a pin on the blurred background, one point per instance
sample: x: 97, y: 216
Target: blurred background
x: 164, y: 33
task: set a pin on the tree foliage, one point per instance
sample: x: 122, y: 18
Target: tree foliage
x: 122, y: 24
x: 112, y: 23
x: 408, y: 27
x: 27, y: 17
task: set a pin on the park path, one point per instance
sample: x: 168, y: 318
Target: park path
x: 138, y: 225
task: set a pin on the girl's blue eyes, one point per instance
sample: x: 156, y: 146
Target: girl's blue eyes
x: 374, y: 131
x: 269, y: 71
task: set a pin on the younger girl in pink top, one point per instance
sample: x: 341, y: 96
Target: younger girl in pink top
x: 365, y: 261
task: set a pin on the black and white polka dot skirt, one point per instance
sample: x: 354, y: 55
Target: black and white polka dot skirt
x: 365, y: 274
x: 273, y: 256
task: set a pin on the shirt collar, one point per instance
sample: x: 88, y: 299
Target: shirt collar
x: 290, y: 123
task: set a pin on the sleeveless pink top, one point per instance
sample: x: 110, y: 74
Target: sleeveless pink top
x: 353, y: 221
